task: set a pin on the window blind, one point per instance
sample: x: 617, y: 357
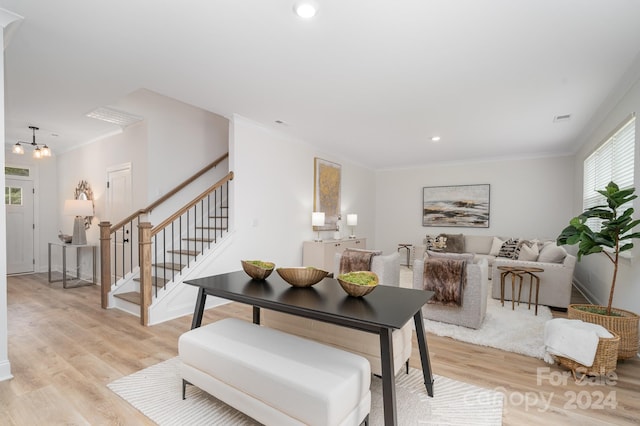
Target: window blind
x: 611, y: 161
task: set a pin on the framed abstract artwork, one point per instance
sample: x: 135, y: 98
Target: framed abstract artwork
x: 459, y: 206
x: 326, y: 193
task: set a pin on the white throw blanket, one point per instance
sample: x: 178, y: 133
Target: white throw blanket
x: 573, y: 339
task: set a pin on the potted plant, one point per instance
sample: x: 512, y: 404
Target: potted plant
x: 613, y: 238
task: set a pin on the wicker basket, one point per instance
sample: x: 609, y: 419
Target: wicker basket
x: 625, y: 326
x: 603, y: 363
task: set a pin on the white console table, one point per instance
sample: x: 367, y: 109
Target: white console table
x: 320, y: 254
x: 78, y: 248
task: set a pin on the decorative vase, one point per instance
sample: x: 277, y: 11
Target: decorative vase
x: 625, y: 326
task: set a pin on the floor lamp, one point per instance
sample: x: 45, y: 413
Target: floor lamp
x: 79, y: 209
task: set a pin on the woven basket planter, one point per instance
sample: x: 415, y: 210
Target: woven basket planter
x: 625, y: 326
x: 604, y: 362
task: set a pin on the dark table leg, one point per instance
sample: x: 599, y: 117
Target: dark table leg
x: 256, y: 315
x: 199, y: 309
x: 424, y: 352
x: 388, y: 377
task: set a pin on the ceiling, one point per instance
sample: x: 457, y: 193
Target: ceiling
x: 367, y: 80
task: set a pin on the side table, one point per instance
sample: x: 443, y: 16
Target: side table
x: 531, y: 272
x: 515, y: 272
x: 407, y: 247
x: 64, y: 264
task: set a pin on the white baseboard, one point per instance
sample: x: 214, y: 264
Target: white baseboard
x: 5, y: 370
x: 585, y: 292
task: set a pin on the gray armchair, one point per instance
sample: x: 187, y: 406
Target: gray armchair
x: 474, y: 297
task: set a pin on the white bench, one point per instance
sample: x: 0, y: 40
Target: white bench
x: 274, y: 377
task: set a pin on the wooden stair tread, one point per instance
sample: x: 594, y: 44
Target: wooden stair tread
x: 186, y: 252
x: 157, y: 281
x: 218, y: 217
x: 131, y: 296
x: 224, y: 228
x: 169, y: 265
x: 199, y: 240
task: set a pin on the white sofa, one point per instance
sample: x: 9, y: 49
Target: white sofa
x: 474, y: 297
x: 387, y: 267
x: 555, y: 282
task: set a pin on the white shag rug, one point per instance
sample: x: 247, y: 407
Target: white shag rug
x: 519, y: 331
x: 156, y: 391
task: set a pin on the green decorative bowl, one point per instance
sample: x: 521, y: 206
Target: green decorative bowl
x: 358, y: 284
x: 257, y: 269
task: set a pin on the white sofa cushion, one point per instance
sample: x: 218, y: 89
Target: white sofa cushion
x: 528, y: 252
x: 496, y: 245
x: 478, y: 244
x: 552, y: 253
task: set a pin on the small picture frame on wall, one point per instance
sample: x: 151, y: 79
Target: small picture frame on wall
x: 326, y: 193
x: 456, y: 206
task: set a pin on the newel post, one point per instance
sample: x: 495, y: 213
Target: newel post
x: 105, y: 262
x: 144, y: 254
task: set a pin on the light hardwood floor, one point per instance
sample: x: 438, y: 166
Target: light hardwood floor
x: 64, y: 350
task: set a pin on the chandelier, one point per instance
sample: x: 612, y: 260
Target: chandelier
x: 38, y: 152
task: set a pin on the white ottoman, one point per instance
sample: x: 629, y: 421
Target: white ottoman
x: 274, y: 377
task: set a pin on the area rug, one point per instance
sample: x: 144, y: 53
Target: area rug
x: 156, y: 391
x: 519, y: 331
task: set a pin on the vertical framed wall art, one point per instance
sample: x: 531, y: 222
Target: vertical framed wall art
x: 459, y: 206
x: 326, y: 193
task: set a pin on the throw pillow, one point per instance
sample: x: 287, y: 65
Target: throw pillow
x: 509, y: 248
x: 551, y: 253
x: 455, y: 243
x: 495, y: 246
x: 454, y: 256
x: 528, y: 252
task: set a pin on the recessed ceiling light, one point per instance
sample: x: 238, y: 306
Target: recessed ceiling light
x: 305, y: 9
x: 435, y: 139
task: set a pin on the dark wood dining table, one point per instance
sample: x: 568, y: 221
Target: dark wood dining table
x: 383, y: 310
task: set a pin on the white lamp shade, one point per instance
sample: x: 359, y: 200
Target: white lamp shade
x: 317, y: 219
x: 352, y: 219
x: 78, y: 207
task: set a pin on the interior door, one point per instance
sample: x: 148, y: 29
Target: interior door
x: 18, y: 200
x: 119, y: 206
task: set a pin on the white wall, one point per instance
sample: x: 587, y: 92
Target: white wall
x: 173, y: 142
x: 594, y: 272
x: 273, y: 197
x: 529, y: 198
x: 181, y: 140
x: 6, y: 18
x: 90, y: 163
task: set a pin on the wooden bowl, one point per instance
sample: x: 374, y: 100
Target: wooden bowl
x: 257, y: 272
x: 304, y: 276
x: 358, y: 290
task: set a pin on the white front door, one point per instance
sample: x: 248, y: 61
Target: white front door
x: 18, y: 200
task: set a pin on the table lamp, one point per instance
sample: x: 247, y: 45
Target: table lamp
x: 352, y: 221
x: 317, y: 219
x: 79, y: 209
